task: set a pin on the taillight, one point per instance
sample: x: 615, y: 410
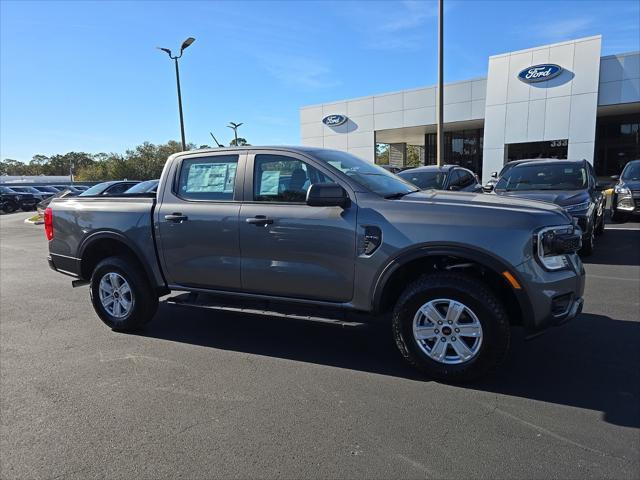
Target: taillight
x: 48, y: 223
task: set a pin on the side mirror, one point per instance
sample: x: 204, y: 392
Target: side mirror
x: 327, y: 195
x: 615, y: 177
x: 494, y: 174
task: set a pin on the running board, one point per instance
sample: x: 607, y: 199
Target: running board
x: 265, y: 308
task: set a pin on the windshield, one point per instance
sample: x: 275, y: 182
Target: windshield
x: 144, y: 187
x: 425, y: 180
x: 7, y: 190
x: 370, y: 176
x: 95, y: 190
x: 560, y: 176
x: 631, y: 171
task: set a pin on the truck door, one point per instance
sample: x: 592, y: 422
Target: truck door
x: 289, y: 248
x: 197, y: 221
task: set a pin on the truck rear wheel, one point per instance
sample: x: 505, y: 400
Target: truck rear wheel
x: 121, y: 294
x: 451, y: 327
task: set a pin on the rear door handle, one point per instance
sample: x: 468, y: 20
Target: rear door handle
x: 176, y: 217
x: 260, y: 221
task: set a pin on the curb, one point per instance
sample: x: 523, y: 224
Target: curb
x: 34, y: 222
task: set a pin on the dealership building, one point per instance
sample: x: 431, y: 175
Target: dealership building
x: 563, y: 100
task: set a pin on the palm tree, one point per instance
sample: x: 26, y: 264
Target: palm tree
x: 234, y: 126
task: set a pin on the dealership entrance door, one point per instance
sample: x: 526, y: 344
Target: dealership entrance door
x: 520, y: 151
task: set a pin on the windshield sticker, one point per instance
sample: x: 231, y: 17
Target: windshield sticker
x: 269, y: 182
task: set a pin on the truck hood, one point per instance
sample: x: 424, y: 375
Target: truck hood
x: 559, y: 197
x: 485, y: 201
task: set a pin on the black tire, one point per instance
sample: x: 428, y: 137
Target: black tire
x: 143, y: 298
x: 588, y: 242
x: 10, y: 206
x: 472, y: 293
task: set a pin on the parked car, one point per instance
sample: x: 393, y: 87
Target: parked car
x: 114, y: 187
x: 82, y: 188
x: 45, y: 203
x: 340, y: 240
x: 35, y: 192
x: 446, y: 177
x: 150, y: 186
x: 13, y: 200
x: 495, y: 176
x: 625, y: 200
x: 570, y: 184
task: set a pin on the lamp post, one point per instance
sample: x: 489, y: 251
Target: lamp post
x: 439, y: 103
x: 185, y: 44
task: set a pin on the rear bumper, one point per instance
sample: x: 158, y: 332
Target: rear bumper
x: 65, y: 265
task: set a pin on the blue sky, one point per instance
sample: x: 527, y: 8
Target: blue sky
x: 85, y: 76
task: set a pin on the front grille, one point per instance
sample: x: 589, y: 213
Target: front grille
x: 635, y: 193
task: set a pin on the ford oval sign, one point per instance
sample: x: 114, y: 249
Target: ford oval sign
x: 334, y: 120
x: 540, y: 73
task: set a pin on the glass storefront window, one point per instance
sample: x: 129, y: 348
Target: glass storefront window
x: 463, y: 147
x: 617, y: 143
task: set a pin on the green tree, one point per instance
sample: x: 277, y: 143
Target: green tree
x: 240, y: 143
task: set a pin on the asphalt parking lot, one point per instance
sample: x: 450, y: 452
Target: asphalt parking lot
x: 202, y: 395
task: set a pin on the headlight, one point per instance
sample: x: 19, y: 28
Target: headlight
x: 577, y: 207
x: 552, y: 244
x: 622, y: 190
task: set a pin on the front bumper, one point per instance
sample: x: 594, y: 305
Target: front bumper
x: 555, y: 297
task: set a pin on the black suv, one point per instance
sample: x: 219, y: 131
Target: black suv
x: 626, y: 193
x: 12, y: 200
x: 570, y: 184
x: 446, y: 177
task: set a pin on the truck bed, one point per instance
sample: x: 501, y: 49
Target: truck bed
x: 76, y: 220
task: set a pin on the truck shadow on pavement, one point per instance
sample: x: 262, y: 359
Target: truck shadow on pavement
x: 616, y: 247
x: 590, y: 363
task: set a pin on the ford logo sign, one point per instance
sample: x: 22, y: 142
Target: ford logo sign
x: 334, y: 120
x: 540, y: 73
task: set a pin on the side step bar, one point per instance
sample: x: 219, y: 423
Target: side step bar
x: 266, y: 308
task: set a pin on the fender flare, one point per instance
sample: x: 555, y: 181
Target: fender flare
x: 474, y: 254
x: 98, y: 235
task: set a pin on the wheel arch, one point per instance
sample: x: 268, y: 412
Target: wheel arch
x: 410, y: 264
x: 105, y: 243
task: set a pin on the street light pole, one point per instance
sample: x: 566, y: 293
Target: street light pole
x: 184, y: 143
x: 185, y: 44
x: 440, y: 101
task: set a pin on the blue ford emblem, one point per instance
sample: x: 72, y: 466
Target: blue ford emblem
x: 540, y: 73
x: 334, y: 120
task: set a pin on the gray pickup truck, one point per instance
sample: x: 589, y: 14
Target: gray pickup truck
x: 322, y: 235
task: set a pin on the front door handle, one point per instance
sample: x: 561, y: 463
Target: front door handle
x: 260, y: 221
x: 176, y: 217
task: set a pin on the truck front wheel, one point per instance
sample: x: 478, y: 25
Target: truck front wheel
x: 121, y: 294
x: 451, y: 327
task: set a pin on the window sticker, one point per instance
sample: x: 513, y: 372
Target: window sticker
x: 211, y: 177
x: 269, y: 182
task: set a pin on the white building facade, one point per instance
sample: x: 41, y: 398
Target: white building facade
x: 555, y: 101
